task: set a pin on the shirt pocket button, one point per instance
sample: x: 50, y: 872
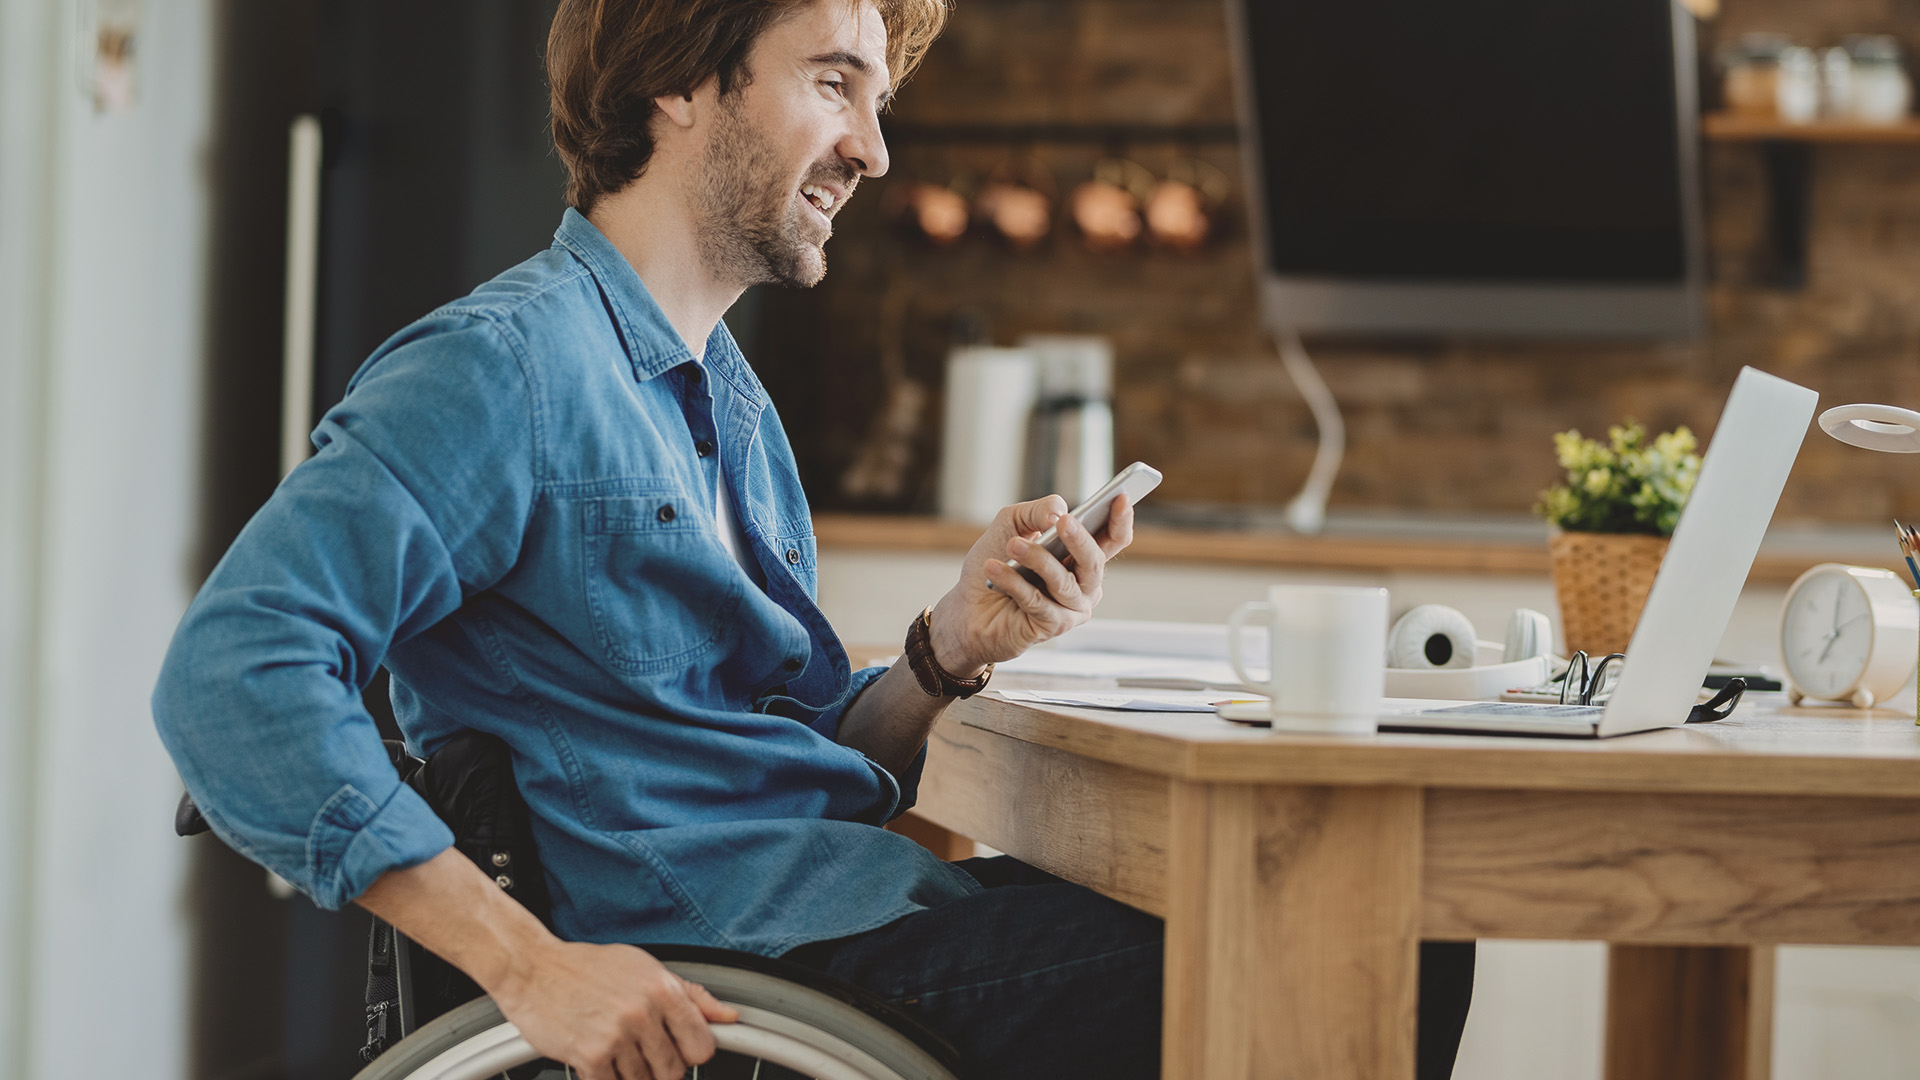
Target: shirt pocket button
x: 793, y: 556
x: 666, y: 513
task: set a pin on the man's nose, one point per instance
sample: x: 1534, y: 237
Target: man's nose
x: 865, y: 149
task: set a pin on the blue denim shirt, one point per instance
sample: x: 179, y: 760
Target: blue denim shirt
x: 512, y: 509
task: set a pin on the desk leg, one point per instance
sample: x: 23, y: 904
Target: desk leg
x: 1689, y: 1013
x: 1292, y: 932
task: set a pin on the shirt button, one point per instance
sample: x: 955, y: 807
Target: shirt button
x: 793, y: 663
x: 793, y: 556
x: 666, y: 513
x: 703, y: 448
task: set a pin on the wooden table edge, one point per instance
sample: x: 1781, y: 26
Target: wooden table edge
x: 1471, y: 762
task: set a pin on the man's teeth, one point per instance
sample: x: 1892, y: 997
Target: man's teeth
x: 821, y: 197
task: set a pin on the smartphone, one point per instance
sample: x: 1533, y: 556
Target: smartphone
x: 1134, y: 482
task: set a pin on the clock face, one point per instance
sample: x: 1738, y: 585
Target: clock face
x: 1826, y: 634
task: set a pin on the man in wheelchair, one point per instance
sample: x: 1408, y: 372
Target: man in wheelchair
x: 561, y: 511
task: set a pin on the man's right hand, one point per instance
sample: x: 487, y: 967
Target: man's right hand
x: 612, y: 1012
x: 993, y: 613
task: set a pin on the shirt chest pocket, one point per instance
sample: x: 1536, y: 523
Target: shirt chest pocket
x: 660, y: 588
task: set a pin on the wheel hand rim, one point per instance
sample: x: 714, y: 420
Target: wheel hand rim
x: 498, y: 1049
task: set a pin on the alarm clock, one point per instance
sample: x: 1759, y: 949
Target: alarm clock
x: 1848, y: 633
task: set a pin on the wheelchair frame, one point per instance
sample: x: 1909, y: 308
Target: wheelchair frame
x: 422, y: 1011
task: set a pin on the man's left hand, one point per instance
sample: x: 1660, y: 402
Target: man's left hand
x: 973, y: 626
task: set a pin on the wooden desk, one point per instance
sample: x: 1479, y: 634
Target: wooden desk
x: 1298, y: 873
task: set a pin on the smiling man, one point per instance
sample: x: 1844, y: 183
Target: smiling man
x: 562, y: 511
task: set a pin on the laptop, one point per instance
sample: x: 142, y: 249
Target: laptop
x: 1693, y: 595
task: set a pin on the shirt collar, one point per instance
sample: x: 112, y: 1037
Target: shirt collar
x: 653, y: 345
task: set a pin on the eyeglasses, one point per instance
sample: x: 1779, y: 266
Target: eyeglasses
x: 1584, y: 680
x: 1721, y: 705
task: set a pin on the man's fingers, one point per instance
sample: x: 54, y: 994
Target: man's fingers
x: 1119, y: 531
x: 1089, y: 562
x: 609, y: 1070
x: 715, y: 1010
x: 662, y: 1056
x: 688, y: 1028
x: 1029, y: 518
x: 1017, y: 588
x: 1060, y: 581
x: 628, y: 1064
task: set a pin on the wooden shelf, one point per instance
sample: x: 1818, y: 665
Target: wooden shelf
x: 1210, y: 547
x: 1103, y: 134
x: 1281, y: 550
x: 1787, y: 153
x: 1740, y: 127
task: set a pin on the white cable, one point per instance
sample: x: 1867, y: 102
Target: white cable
x: 1307, y: 513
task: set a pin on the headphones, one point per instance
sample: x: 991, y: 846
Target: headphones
x: 1436, y: 636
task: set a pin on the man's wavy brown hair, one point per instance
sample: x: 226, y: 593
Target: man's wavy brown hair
x: 608, y: 59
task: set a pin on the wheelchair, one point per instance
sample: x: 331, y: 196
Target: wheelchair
x: 428, y: 1021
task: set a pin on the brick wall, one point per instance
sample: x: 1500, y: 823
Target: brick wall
x: 1446, y: 426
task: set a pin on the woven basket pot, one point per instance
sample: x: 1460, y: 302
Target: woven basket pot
x: 1602, y: 580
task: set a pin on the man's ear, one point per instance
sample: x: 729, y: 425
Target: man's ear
x: 685, y: 110
x: 677, y: 108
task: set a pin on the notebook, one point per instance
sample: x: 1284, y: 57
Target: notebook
x: 1746, y: 466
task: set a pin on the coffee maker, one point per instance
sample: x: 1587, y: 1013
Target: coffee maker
x: 1070, y: 431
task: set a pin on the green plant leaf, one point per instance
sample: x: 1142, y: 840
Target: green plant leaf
x: 1628, y: 484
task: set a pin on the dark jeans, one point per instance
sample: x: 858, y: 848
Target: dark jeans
x: 1036, y: 977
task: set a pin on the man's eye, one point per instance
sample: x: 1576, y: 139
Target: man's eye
x: 836, y: 85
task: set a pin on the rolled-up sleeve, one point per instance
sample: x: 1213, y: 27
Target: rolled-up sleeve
x: 418, y: 497
x: 909, y: 782
x: 904, y: 789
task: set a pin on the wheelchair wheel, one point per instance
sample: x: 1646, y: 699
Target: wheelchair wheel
x: 785, y: 1030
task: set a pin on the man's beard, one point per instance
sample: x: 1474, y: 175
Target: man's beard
x: 749, y: 230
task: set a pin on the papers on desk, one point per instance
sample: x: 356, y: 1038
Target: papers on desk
x: 1141, y: 654
x: 1161, y: 672
x: 1141, y: 637
x: 1128, y: 701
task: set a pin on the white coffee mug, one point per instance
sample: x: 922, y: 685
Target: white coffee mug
x: 1327, y: 655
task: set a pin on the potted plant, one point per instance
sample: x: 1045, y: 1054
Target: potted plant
x: 1611, y: 521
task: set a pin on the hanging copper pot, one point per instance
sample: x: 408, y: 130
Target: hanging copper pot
x: 1180, y: 213
x: 1016, y: 202
x: 1107, y: 207
x: 934, y: 211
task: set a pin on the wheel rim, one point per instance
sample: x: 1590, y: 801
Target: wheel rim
x: 759, y: 1035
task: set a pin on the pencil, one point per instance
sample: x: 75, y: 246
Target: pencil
x: 1904, y: 535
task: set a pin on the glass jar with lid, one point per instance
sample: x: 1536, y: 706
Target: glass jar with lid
x: 1750, y: 70
x: 1796, y: 87
x: 1880, y: 90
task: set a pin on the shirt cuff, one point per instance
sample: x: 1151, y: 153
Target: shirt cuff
x: 909, y: 782
x: 828, y: 723
x: 355, y: 839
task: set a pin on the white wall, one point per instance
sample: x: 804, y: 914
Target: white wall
x: 25, y: 182
x: 102, y: 269
x: 1840, y: 1014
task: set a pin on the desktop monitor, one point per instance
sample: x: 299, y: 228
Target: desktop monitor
x: 1497, y: 167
